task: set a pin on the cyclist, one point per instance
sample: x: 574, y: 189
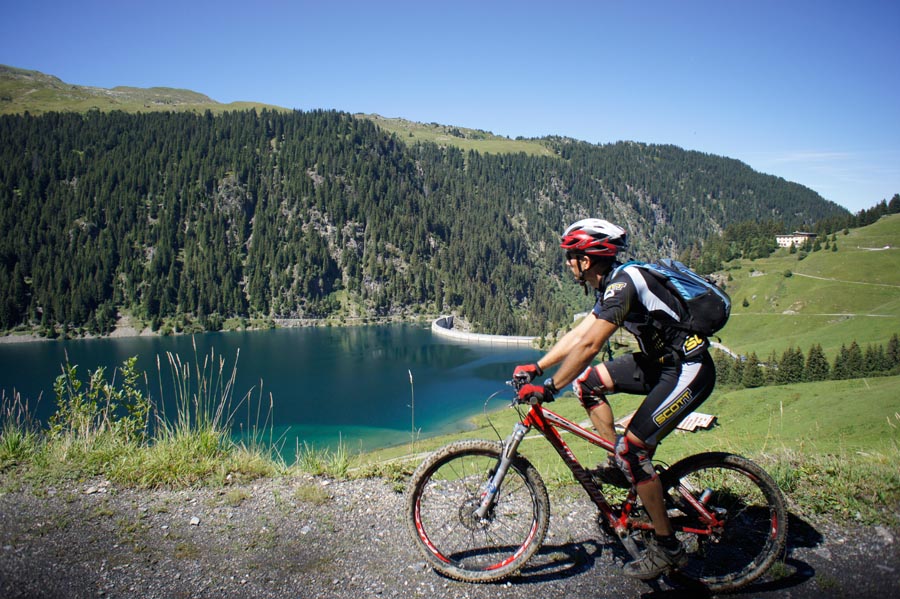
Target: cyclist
x: 673, y: 369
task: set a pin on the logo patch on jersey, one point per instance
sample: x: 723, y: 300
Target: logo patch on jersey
x: 692, y: 343
x: 612, y: 288
x: 673, y: 408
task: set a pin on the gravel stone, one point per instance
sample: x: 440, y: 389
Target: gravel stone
x: 264, y: 540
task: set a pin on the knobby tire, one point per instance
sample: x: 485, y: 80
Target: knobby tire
x: 443, y: 494
x: 752, y: 506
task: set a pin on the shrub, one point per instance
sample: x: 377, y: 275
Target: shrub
x: 95, y: 407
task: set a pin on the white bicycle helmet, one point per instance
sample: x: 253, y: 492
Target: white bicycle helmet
x: 594, y: 237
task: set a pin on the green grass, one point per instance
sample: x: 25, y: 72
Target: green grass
x: 831, y: 417
x: 337, y: 462
x: 311, y: 493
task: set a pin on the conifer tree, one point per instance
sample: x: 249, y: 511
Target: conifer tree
x: 892, y: 354
x: 197, y: 218
x: 752, y: 376
x: 840, y: 370
x: 854, y: 361
x: 790, y: 367
x: 737, y: 371
x: 816, y: 364
x: 771, y: 369
x: 874, y: 361
x: 724, y: 367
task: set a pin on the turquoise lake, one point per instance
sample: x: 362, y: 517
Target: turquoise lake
x: 326, y: 385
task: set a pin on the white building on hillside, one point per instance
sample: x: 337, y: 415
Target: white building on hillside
x: 796, y: 239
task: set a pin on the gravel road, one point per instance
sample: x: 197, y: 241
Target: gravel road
x: 306, y: 537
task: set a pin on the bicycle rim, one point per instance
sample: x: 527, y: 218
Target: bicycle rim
x: 749, y: 503
x: 444, y: 493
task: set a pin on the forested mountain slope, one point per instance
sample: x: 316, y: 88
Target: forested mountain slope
x: 201, y: 217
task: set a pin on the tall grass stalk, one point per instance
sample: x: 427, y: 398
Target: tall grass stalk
x: 207, y: 404
x: 259, y: 440
x: 195, y: 444
x: 19, y: 432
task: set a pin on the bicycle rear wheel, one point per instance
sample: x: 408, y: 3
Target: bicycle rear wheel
x: 748, y: 502
x: 443, y: 495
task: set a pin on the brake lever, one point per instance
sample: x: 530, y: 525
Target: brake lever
x: 516, y: 385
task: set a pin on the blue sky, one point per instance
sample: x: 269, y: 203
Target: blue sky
x: 806, y: 90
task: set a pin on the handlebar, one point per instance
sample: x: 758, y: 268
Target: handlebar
x: 517, y: 384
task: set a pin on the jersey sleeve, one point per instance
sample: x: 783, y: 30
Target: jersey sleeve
x: 617, y: 300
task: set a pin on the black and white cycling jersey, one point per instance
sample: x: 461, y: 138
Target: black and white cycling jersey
x: 632, y: 298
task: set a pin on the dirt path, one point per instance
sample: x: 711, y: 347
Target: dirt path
x: 312, y: 537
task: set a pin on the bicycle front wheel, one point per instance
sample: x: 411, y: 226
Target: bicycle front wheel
x: 443, y: 495
x: 747, y: 503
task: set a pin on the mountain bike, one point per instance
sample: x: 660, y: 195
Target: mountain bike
x: 478, y: 510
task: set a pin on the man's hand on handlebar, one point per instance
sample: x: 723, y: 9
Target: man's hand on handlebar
x: 527, y: 373
x: 534, y: 394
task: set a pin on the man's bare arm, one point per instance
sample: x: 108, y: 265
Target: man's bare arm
x: 564, y: 346
x: 582, y: 348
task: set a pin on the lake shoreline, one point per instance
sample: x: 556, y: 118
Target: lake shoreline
x: 125, y: 329
x: 118, y: 332
x: 455, y: 328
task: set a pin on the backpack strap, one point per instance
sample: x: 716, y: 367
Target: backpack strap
x: 620, y: 267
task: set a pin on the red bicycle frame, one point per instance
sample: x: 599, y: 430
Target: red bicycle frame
x: 547, y: 422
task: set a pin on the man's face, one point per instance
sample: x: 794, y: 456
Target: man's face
x: 578, y: 263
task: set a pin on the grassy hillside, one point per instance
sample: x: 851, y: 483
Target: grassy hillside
x: 827, y: 418
x: 22, y: 90
x: 460, y: 137
x: 831, y: 298
x: 832, y: 417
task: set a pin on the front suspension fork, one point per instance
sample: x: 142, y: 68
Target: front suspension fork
x: 510, y: 447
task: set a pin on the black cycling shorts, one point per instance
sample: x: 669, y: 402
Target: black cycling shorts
x: 673, y: 391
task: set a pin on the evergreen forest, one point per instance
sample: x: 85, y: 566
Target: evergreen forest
x: 179, y: 217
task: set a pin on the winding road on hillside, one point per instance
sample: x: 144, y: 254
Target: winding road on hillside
x: 799, y: 274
